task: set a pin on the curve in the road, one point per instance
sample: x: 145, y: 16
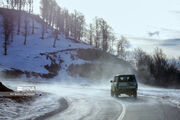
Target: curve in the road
x: 63, y: 106
x: 91, y: 104
x: 123, y: 112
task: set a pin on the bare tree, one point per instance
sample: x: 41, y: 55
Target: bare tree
x: 54, y: 13
x: 43, y: 29
x: 51, y: 7
x: 30, y: 5
x: 26, y: 22
x: 58, y: 18
x: 30, y: 10
x: 121, y: 45
x: 105, y: 34
x: 12, y: 3
x: 32, y: 22
x: 7, y: 28
x: 55, y: 34
x: 61, y: 21
x: 12, y: 24
x: 91, y: 34
x: 111, y: 44
x: 44, y: 10
x: 74, y: 24
x: 67, y: 21
x: 20, y: 3
x: 80, y: 28
x: 97, y: 33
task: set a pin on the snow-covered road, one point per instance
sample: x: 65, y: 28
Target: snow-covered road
x: 89, y: 103
x: 94, y: 103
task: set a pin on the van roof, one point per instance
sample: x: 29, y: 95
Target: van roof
x: 125, y: 75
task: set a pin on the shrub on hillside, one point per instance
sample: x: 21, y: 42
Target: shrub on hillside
x: 156, y: 69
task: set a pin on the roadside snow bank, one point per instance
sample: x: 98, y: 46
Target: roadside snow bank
x: 10, y: 109
x: 168, y: 95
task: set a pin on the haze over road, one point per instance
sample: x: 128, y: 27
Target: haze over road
x: 96, y: 104
x: 84, y: 102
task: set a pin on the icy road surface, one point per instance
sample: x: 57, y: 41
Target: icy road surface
x: 95, y: 103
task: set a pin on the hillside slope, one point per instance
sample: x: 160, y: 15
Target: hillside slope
x: 38, y: 58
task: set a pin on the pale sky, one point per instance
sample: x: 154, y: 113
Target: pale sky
x: 133, y: 18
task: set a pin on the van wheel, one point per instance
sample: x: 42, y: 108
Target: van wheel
x: 135, y: 94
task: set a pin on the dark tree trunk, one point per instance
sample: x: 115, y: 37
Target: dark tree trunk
x: 19, y: 23
x: 33, y: 26
x: 43, y: 27
x: 5, y: 44
x: 55, y: 37
x: 54, y: 45
x: 25, y: 34
x: 19, y: 17
x: 25, y: 37
x: 25, y: 29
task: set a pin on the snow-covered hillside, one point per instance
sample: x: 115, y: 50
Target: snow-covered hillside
x: 38, y: 58
x: 30, y: 58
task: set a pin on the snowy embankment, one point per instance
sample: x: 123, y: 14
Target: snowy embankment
x: 166, y: 95
x: 11, y: 109
x: 30, y: 57
x: 43, y: 104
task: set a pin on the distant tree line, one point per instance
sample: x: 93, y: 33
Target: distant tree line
x: 12, y: 19
x: 157, y: 69
x: 73, y: 25
x: 20, y: 5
